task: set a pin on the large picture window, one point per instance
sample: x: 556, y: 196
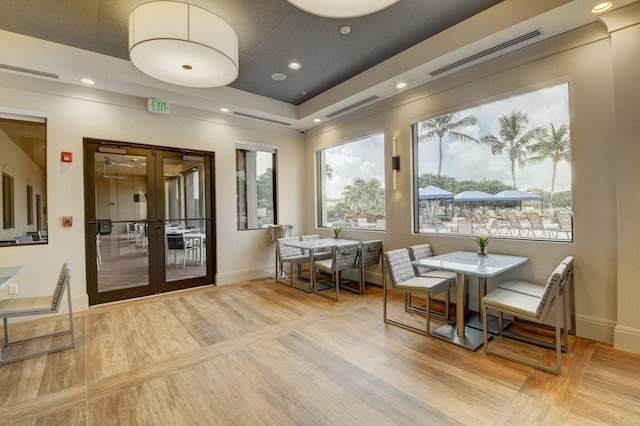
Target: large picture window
x: 350, y: 180
x: 501, y: 169
x: 256, y: 183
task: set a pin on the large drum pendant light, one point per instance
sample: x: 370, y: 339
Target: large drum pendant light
x: 342, y: 8
x: 183, y: 44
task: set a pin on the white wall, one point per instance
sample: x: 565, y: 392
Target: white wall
x: 74, y: 113
x: 584, y: 59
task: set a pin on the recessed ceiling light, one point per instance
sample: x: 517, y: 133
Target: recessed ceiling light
x: 345, y: 29
x: 88, y: 81
x: 401, y: 85
x: 224, y: 109
x: 278, y: 76
x: 317, y: 120
x: 295, y: 65
x: 602, y: 6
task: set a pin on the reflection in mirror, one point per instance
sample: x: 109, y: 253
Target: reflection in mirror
x: 23, y: 166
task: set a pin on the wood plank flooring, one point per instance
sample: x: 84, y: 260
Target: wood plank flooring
x: 260, y: 353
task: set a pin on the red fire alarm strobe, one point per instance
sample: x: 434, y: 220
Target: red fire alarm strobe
x: 67, y: 221
x: 66, y: 157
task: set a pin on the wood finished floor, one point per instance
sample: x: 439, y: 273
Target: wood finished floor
x: 258, y: 352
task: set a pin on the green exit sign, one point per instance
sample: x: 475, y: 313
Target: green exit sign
x: 156, y: 105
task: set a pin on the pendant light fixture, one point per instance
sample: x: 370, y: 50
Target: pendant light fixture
x: 183, y: 44
x: 342, y: 8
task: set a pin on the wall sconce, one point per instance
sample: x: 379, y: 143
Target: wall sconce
x: 395, y: 164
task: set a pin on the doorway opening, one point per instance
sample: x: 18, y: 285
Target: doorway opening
x: 149, y: 220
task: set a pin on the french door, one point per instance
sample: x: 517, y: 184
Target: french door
x: 149, y: 220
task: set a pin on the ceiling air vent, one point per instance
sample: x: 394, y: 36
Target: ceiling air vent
x: 353, y: 106
x: 487, y: 52
x: 255, y: 117
x: 29, y: 71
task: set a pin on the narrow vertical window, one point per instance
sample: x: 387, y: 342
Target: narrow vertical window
x: 256, y: 186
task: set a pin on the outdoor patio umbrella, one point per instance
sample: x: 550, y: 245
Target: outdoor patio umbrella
x: 433, y: 195
x: 477, y: 196
x: 517, y: 195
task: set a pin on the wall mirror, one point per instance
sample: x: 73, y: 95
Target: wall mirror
x: 23, y: 193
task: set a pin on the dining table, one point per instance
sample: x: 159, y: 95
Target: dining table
x: 313, y: 246
x: 8, y: 273
x: 468, y: 263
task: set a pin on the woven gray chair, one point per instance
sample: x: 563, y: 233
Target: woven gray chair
x: 530, y: 308
x: 370, y: 254
x: 344, y: 257
x: 29, y: 306
x: 537, y: 290
x: 397, y: 264
x: 423, y: 251
x: 291, y: 255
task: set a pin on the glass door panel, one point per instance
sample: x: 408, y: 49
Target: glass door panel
x: 185, y: 213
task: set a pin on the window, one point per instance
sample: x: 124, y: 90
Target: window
x: 256, y: 186
x: 502, y: 169
x: 7, y: 202
x: 350, y: 179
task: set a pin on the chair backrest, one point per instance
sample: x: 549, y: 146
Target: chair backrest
x: 478, y: 217
x: 23, y: 239
x: 513, y: 220
x: 287, y: 251
x: 564, y: 220
x: 534, y: 220
x: 555, y: 281
x: 346, y: 257
x: 58, y: 291
x: 399, y: 265
x: 371, y: 251
x: 420, y: 251
x: 568, y: 273
x: 175, y: 241
x: 34, y: 235
x: 308, y: 238
x: 465, y: 226
x: 131, y: 227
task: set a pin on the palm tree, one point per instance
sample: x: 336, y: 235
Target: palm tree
x: 437, y: 128
x: 554, y: 144
x: 514, y: 138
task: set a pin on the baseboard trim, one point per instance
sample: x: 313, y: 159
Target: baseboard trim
x: 626, y: 339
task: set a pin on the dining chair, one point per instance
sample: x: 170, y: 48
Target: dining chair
x: 31, y: 306
x: 423, y: 251
x: 370, y: 254
x: 397, y: 265
x: 291, y: 255
x: 176, y: 243
x: 531, y: 308
x: 537, y: 290
x: 345, y: 257
x: 35, y: 235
